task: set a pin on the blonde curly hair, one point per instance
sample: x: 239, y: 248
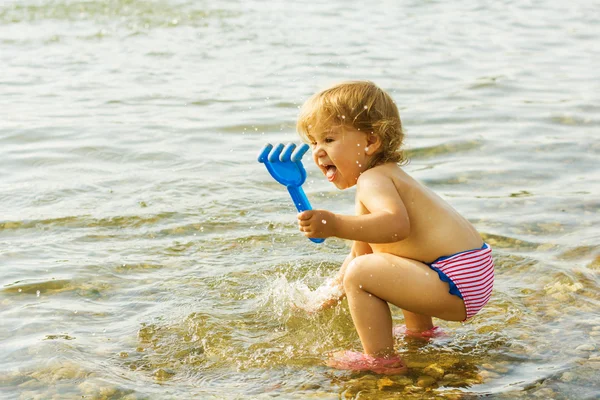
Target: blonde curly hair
x: 361, y: 105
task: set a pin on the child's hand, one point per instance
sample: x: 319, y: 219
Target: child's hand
x: 325, y: 296
x: 316, y: 308
x: 317, y: 223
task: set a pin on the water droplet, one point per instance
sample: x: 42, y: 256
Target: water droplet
x: 365, y: 107
x: 360, y: 165
x: 323, y: 221
x: 20, y: 290
x: 343, y: 117
x: 360, y: 286
x: 37, y: 293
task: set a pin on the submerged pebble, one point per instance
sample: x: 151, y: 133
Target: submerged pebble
x: 413, y: 389
x: 434, y: 370
x: 594, y: 357
x: 384, y: 383
x: 52, y: 375
x: 30, y: 384
x: 163, y: 373
x: 366, y: 382
x: 586, y: 347
x: 425, y: 381
x: 544, y: 393
x: 400, y: 380
x: 488, y: 375
x: 567, y: 377
x: 453, y: 378
x: 394, y: 382
x: 501, y: 369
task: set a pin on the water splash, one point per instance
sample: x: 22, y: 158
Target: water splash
x: 282, y: 297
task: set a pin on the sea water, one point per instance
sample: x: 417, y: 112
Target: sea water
x: 145, y: 254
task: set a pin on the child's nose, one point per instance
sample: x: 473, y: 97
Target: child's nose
x: 318, y: 151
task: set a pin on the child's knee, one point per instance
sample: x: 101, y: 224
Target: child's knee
x: 356, y: 270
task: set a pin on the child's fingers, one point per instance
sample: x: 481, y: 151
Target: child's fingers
x: 309, y: 233
x: 305, y: 228
x: 305, y: 215
x: 303, y: 223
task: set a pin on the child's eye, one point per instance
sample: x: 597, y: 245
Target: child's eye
x: 328, y: 140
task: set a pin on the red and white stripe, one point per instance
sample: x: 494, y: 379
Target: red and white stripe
x: 473, y: 274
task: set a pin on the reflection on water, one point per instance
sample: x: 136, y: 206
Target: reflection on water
x: 146, y: 254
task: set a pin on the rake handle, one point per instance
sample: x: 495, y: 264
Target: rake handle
x: 302, y: 204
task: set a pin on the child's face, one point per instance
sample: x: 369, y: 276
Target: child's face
x: 340, y: 154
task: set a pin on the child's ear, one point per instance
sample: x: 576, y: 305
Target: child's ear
x: 373, y: 144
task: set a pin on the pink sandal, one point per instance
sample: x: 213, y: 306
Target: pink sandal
x: 434, y: 332
x: 355, y: 361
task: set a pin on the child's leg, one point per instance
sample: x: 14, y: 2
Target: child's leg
x: 373, y: 280
x: 417, y: 322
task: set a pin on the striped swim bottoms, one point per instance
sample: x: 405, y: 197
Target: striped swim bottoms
x: 470, y: 275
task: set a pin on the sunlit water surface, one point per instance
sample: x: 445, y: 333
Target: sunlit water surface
x: 145, y: 254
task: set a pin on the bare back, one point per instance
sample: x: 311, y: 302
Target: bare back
x: 436, y: 229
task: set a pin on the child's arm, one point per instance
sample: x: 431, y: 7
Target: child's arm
x: 386, y: 222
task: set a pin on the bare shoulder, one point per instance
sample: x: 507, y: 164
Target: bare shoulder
x: 386, y: 174
x: 377, y: 188
x: 379, y: 173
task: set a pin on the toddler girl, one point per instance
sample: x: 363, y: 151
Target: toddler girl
x: 410, y: 248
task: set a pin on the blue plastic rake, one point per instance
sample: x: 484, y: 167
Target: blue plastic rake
x: 285, y: 166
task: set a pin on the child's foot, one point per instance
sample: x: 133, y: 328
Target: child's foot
x: 435, y: 332
x: 355, y: 361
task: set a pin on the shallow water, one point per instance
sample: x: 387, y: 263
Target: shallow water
x: 145, y: 254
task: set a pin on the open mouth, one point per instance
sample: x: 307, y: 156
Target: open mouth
x: 330, y: 172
